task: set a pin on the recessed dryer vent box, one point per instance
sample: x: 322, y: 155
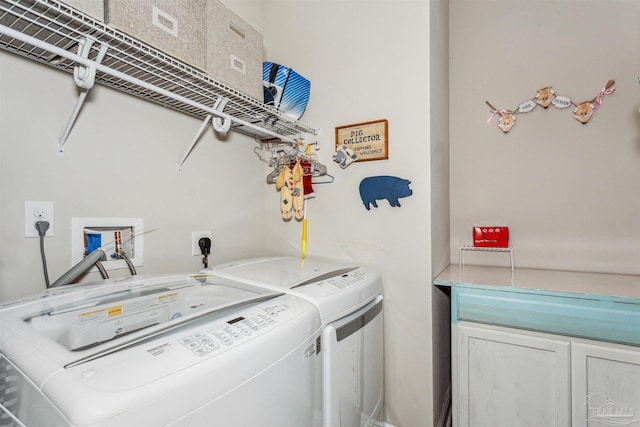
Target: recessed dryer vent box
x: 114, y: 236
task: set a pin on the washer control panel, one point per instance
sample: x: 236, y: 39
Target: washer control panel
x: 345, y: 280
x: 226, y: 334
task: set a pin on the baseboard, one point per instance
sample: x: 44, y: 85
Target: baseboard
x: 445, y: 412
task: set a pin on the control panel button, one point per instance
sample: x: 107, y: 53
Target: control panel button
x: 228, y: 334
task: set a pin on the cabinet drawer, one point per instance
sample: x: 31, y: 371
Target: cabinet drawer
x: 611, y: 319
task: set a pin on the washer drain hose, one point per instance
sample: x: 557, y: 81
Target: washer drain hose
x: 79, y: 269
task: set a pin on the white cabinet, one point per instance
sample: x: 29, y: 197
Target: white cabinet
x: 503, y: 377
x: 513, y: 377
x: 540, y: 348
x: 605, y: 384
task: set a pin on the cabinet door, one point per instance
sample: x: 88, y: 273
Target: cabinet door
x: 606, y: 384
x: 505, y: 377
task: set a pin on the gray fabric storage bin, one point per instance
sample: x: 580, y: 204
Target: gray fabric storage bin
x: 93, y: 8
x: 177, y: 28
x: 234, y: 50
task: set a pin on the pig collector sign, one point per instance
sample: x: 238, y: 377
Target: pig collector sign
x: 368, y: 140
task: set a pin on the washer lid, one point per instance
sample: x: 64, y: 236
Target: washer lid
x: 61, y: 329
x: 336, y: 288
x: 284, y: 272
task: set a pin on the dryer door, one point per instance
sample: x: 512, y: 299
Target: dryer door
x: 353, y: 368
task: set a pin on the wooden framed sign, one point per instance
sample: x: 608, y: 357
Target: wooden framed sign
x: 367, y: 140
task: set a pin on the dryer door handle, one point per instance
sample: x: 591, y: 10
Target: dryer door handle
x: 361, y: 320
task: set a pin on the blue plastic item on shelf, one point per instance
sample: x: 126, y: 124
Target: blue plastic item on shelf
x: 285, y: 89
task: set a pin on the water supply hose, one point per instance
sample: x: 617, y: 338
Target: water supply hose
x: 126, y: 259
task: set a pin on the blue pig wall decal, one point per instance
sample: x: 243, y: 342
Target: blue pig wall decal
x: 383, y: 187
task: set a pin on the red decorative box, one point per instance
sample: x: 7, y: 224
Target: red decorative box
x: 495, y: 236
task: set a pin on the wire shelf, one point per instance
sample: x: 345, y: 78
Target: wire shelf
x: 465, y: 248
x: 61, y: 26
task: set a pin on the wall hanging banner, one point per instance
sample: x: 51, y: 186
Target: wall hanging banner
x: 546, y: 97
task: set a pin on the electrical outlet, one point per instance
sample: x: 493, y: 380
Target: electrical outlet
x: 195, y: 237
x: 34, y: 212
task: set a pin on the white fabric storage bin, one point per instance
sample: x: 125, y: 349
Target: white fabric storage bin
x: 177, y: 28
x: 234, y: 50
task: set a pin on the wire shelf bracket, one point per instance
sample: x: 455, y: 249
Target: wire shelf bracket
x: 84, y: 77
x: 219, y: 125
x: 47, y: 30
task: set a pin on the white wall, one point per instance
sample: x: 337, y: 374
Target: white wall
x: 120, y: 161
x: 368, y: 61
x: 569, y: 191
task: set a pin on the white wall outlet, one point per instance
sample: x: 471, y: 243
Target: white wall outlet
x: 34, y: 212
x: 195, y: 238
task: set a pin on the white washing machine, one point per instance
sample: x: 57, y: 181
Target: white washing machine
x: 159, y: 351
x: 349, y: 299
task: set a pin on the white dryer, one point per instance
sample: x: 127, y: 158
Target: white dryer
x: 349, y: 299
x: 159, y: 351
